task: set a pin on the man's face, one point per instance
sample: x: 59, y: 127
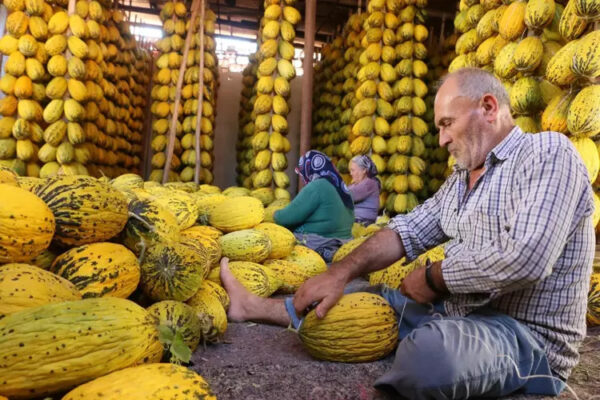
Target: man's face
x: 461, y: 125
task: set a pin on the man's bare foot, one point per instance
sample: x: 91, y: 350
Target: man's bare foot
x: 246, y: 306
x: 239, y: 297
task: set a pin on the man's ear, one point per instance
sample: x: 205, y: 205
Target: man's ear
x: 490, y: 106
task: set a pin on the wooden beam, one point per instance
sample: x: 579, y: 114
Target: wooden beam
x: 307, y: 78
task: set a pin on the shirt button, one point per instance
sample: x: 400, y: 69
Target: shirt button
x: 460, y: 240
x: 507, y: 228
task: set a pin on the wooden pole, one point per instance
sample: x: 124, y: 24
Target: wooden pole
x: 173, y: 128
x: 307, y: 78
x: 198, y: 132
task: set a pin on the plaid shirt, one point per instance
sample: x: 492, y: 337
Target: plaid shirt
x: 520, y: 241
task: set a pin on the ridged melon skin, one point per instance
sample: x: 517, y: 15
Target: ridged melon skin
x: 212, y: 247
x: 292, y: 275
x: 361, y: 327
x: 554, y: 117
x: 86, y: 210
x: 282, y: 239
x: 583, y: 118
x: 100, y: 269
x: 558, y: 70
x: 586, y: 60
x: 148, y: 222
x: 237, y: 213
x: 180, y: 318
x: 27, y: 225
x: 571, y: 26
x: 72, y: 343
x: 309, y: 260
x: 172, y: 271
x: 25, y: 286
x: 146, y: 382
x: 212, y: 315
x: 246, y: 245
x: 593, y: 313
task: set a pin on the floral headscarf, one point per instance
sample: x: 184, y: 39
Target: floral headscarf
x: 316, y: 165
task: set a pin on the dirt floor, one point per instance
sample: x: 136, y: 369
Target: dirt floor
x: 265, y: 362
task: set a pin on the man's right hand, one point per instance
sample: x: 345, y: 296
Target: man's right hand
x: 326, y: 289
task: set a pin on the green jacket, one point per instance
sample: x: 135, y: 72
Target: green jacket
x: 318, y: 209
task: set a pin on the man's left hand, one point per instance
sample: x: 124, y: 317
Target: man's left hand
x: 414, y: 286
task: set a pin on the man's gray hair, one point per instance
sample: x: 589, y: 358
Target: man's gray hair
x: 474, y: 83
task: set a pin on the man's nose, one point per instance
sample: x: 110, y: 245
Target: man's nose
x: 444, y: 138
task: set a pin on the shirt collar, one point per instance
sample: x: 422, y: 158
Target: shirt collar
x: 503, y: 149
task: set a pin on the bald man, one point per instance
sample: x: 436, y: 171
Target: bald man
x: 509, y: 300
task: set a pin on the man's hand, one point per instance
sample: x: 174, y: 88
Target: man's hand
x: 414, y: 286
x: 326, y: 289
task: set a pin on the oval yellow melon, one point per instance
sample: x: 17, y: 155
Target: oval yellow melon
x: 361, y: 327
x: 25, y: 286
x: 27, y: 225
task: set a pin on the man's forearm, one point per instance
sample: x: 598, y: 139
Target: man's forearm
x: 378, y: 252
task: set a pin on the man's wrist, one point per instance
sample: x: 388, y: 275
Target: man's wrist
x: 341, y: 271
x: 435, y: 279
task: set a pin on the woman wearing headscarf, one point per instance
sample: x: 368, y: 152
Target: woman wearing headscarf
x: 322, y: 214
x: 365, y: 189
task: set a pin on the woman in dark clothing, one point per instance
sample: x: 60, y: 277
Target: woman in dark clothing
x: 365, y: 189
x: 321, y: 215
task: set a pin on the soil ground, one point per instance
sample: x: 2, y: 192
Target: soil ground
x: 269, y: 363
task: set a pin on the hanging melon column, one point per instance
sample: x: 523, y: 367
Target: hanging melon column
x: 353, y: 35
x: 465, y: 23
x: 190, y: 94
x: 316, y: 139
x: 271, y: 107
x: 437, y: 156
x: 373, y: 110
x: 130, y: 143
x: 23, y: 84
x: 335, y: 90
x: 487, y: 40
x: 89, y: 147
x: 330, y: 100
x: 139, y: 70
x: 320, y: 70
x: 210, y: 90
x: 189, y: 99
x: 409, y: 128
x: 109, y: 128
x: 65, y: 113
x: 245, y: 145
x: 163, y: 92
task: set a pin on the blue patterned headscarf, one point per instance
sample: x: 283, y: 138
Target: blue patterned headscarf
x: 316, y: 165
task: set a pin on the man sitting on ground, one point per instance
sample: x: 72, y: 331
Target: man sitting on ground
x: 509, y: 299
